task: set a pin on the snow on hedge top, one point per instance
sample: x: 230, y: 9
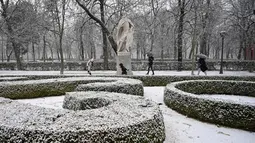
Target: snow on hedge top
x: 71, y: 79
x: 233, y: 99
x: 123, y: 111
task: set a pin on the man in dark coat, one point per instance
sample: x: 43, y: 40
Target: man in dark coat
x: 150, y: 64
x: 202, y: 66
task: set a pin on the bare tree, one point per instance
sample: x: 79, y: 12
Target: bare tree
x: 19, y: 26
x: 58, y: 11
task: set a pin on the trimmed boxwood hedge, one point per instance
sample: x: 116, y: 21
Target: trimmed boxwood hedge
x: 126, y: 119
x: 58, y: 86
x: 147, y: 80
x: 229, y: 114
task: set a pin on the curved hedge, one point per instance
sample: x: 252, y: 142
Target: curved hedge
x: 55, y: 87
x: 230, y: 114
x: 125, y: 119
x: 156, y: 80
x: 120, y: 86
x: 118, y: 118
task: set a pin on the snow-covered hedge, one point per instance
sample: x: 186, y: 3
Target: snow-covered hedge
x: 126, y: 118
x: 164, y: 80
x: 12, y: 78
x: 156, y: 80
x: 86, y: 100
x: 121, y: 86
x: 58, y: 86
x: 232, y: 114
x: 137, y: 65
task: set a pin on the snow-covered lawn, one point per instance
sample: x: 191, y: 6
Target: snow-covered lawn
x: 179, y: 128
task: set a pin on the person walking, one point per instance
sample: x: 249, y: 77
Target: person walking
x: 150, y: 63
x: 89, y: 65
x: 202, y: 66
x: 123, y: 69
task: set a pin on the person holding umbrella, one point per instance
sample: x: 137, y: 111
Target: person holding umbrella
x: 202, y: 64
x: 150, y: 63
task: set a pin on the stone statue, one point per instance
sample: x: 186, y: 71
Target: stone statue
x: 124, y: 37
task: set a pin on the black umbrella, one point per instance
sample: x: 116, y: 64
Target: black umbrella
x: 201, y: 56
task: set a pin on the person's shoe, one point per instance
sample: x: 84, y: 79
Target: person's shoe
x: 153, y: 74
x: 147, y: 73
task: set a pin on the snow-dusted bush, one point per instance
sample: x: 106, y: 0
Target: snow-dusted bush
x: 126, y: 118
x: 136, y: 65
x: 12, y: 78
x: 156, y: 80
x: 134, y: 87
x: 232, y: 114
x: 164, y: 80
x: 86, y: 100
x: 58, y: 86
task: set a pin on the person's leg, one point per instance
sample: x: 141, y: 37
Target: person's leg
x: 89, y: 70
x: 148, y: 69
x: 198, y: 71
x: 152, y: 69
x: 205, y: 72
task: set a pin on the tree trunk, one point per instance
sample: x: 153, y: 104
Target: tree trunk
x: 240, y: 48
x: 61, y: 54
x: 2, y: 48
x: 92, y: 44
x: 44, y: 48
x: 194, y: 41
x: 27, y: 46
x: 16, y: 48
x: 81, y: 45
x: 61, y: 29
x: 181, y: 4
x: 33, y: 51
x: 10, y: 35
x: 162, y: 41
x: 105, y: 51
x: 137, y: 49
x: 100, y: 22
x: 205, y: 24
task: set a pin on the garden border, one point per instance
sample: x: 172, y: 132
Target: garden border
x: 126, y: 119
x: 58, y: 86
x: 218, y: 112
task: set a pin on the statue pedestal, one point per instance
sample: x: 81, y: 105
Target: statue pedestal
x: 125, y: 59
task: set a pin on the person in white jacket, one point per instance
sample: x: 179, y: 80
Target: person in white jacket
x: 89, y: 65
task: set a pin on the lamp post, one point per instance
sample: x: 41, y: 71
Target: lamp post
x: 222, y: 34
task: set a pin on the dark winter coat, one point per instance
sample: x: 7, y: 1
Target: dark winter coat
x: 202, y: 64
x: 151, y: 59
x: 123, y: 69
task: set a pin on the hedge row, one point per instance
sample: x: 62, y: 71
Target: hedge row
x: 231, y: 114
x: 136, y: 65
x: 126, y: 119
x: 54, y: 87
x: 147, y: 80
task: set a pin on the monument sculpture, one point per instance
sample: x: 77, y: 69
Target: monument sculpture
x: 124, y: 40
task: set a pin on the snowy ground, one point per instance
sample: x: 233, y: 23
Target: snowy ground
x: 179, y: 128
x: 158, y: 73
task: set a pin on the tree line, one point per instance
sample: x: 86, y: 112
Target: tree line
x: 80, y: 29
